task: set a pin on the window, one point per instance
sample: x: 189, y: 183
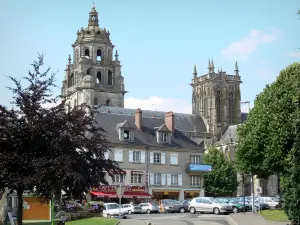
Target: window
x: 126, y: 134
x: 230, y: 108
x: 218, y: 104
x: 157, y: 179
x: 109, y: 78
x: 136, y: 156
x: 196, y: 180
x: 174, y: 159
x: 87, y: 53
x: 107, y: 102
x: 196, y: 159
x: 98, y: 77
x: 119, y: 178
x: 174, y: 180
x: 95, y: 101
x: 118, y: 155
x: 156, y: 157
x: 205, y: 107
x: 88, y: 72
x: 136, y: 178
x: 164, y: 138
x: 99, y: 55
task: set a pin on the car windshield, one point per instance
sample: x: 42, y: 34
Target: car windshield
x: 215, y: 200
x: 167, y: 202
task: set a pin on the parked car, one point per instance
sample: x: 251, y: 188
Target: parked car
x: 272, y: 202
x: 149, y: 207
x: 167, y: 204
x: 181, y: 207
x: 207, y: 204
x: 240, y: 200
x: 113, y: 210
x: 236, y: 206
x: 131, y: 209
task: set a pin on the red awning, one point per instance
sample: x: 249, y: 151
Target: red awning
x: 127, y: 194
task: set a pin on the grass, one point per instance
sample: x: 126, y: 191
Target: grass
x: 274, y: 215
x: 90, y: 221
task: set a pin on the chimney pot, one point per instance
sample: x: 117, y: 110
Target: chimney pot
x: 170, y: 121
x: 138, y: 118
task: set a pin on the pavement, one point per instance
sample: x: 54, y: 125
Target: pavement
x: 197, y: 219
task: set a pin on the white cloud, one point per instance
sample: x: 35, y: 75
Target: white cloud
x: 245, y: 108
x: 241, y: 49
x: 294, y: 54
x: 159, y: 104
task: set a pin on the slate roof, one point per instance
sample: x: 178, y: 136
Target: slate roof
x: 231, y: 133
x: 110, y: 118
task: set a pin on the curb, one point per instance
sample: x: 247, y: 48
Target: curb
x: 118, y: 222
x: 231, y: 221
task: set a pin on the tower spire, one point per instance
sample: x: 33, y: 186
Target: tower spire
x: 93, y: 17
x: 116, y: 55
x: 212, y: 65
x: 195, y: 71
x: 236, y: 69
x: 69, y: 59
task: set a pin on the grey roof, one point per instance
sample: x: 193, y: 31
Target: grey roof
x: 111, y: 117
x: 230, y: 135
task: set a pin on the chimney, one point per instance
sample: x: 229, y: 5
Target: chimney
x: 138, y: 118
x: 170, y: 121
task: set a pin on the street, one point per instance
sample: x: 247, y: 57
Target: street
x: 175, y: 219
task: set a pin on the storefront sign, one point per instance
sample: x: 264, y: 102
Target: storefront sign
x: 137, y: 172
x: 194, y: 167
x: 112, y: 188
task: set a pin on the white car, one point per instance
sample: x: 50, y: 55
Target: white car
x: 149, y: 207
x: 113, y: 210
x: 131, y: 209
x: 206, y: 204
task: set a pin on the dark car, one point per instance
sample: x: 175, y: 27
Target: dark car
x: 181, y: 207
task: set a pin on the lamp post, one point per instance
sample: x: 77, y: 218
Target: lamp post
x: 251, y: 175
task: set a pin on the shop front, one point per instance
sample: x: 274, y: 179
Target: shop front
x: 165, y: 194
x: 135, y: 194
x: 189, y: 194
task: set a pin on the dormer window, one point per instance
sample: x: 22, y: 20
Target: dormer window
x: 164, y: 138
x: 126, y: 134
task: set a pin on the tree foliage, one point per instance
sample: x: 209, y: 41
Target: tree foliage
x: 268, y: 135
x: 222, y: 180
x: 47, y: 149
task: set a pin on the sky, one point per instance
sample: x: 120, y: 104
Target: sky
x: 158, y: 42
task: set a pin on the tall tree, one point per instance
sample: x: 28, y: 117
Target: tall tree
x: 49, y: 149
x: 268, y: 135
x: 222, y: 180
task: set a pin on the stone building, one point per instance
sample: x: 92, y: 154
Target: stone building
x: 93, y: 76
x: 156, y: 149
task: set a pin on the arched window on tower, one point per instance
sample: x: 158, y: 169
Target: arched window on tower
x: 108, y: 55
x: 218, y: 105
x: 75, y: 104
x: 99, y: 56
x: 99, y: 77
x: 109, y: 78
x: 87, y: 53
x: 107, y: 102
x: 205, y: 107
x: 230, y: 108
x: 71, y: 80
x: 88, y: 72
x: 95, y: 101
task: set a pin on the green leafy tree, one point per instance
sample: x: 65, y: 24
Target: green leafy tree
x: 222, y: 180
x: 49, y: 149
x: 268, y: 135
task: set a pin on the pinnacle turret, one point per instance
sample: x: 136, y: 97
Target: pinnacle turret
x: 236, y: 69
x: 195, y: 71
x: 93, y: 17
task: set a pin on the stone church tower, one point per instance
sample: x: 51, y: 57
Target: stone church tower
x: 93, y: 77
x: 216, y: 98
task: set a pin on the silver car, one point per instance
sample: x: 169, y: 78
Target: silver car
x: 149, y: 207
x: 132, y: 209
x: 206, y: 204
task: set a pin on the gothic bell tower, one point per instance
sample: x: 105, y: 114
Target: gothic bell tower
x: 216, y: 98
x: 93, y: 77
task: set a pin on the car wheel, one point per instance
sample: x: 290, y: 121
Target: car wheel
x: 182, y: 210
x: 216, y: 211
x: 108, y: 216
x: 148, y: 211
x: 129, y: 212
x: 235, y: 210
x: 193, y: 210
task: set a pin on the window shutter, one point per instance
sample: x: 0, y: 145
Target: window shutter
x: 151, y: 157
x: 163, y: 158
x: 130, y: 156
x: 163, y: 179
x: 143, y: 157
x: 106, y: 155
x: 169, y: 177
x: 151, y: 178
x: 179, y: 179
x: 174, y: 158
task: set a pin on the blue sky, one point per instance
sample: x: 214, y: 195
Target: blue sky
x: 158, y: 42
